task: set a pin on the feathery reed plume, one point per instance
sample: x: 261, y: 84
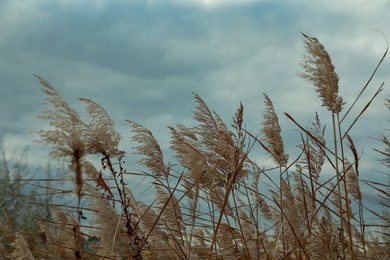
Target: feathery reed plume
x: 100, y: 132
x: 66, y: 137
x: 314, y: 155
x: 149, y: 147
x: 357, y: 195
x: 209, y: 147
x: 271, y: 131
x: 319, y: 70
x: 188, y: 150
x: 213, y: 158
x: 238, y: 121
x: 68, y: 143
x: 211, y: 203
x: 352, y: 181
x: 352, y: 146
x: 223, y: 153
x: 217, y: 142
x: 103, y: 139
x: 186, y: 146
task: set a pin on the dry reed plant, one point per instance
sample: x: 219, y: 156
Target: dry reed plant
x: 213, y: 201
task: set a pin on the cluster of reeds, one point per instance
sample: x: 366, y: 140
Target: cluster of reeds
x: 214, y: 201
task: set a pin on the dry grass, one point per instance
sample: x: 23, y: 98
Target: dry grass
x: 213, y: 202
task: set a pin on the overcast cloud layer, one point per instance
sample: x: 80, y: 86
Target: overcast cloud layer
x: 142, y: 59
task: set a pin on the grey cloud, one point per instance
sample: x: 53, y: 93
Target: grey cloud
x: 141, y: 61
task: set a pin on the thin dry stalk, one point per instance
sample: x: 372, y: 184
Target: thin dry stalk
x: 208, y: 204
x: 68, y: 142
x: 319, y: 70
x: 271, y: 131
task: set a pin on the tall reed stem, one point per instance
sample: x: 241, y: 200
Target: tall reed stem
x: 340, y: 203
x: 347, y: 204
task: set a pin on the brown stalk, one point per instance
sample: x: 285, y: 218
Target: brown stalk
x: 346, y: 197
x: 291, y: 228
x: 379, y: 90
x: 368, y: 82
x: 360, y: 202
x: 230, y: 184
x: 240, y: 225
x: 161, y: 212
x: 308, y: 155
x: 304, y: 202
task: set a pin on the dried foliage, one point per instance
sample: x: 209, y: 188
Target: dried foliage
x: 272, y: 133
x: 319, y: 70
x: 153, y: 156
x: 99, y: 132
x: 214, y: 201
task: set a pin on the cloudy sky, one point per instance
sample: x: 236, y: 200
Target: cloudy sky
x: 142, y: 59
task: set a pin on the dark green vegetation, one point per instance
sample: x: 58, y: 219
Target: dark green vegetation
x: 215, y: 201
